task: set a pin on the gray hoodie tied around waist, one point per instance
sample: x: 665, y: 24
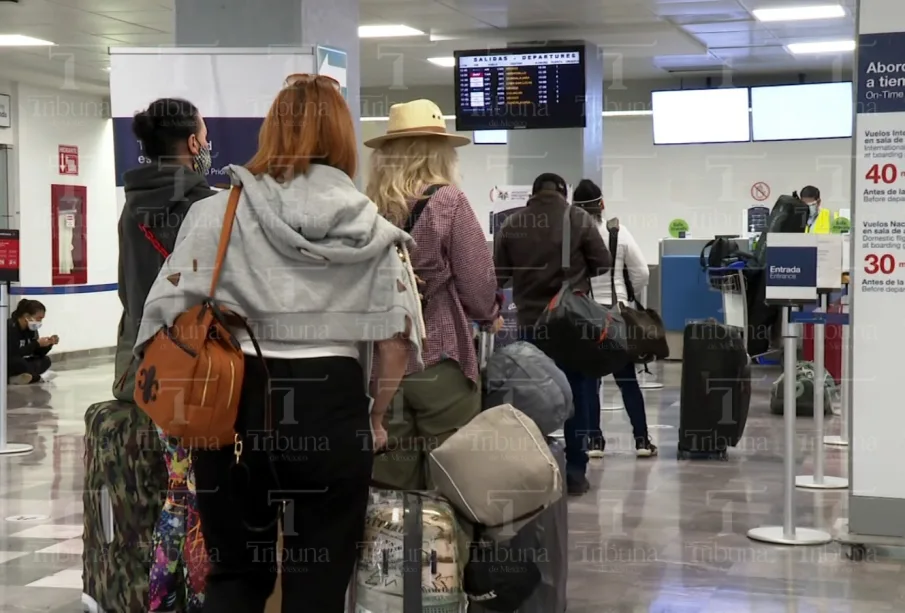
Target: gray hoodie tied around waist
x: 310, y: 262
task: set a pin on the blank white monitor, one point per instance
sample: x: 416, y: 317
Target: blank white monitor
x: 491, y: 137
x: 798, y: 112
x: 693, y: 116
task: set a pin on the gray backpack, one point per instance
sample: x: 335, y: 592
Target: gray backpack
x: 522, y: 375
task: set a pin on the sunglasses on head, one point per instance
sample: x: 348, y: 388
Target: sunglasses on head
x: 305, y: 78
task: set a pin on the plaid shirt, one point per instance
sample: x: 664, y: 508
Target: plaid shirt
x: 456, y: 266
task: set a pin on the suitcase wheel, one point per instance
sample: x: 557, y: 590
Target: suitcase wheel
x: 857, y: 552
x: 683, y: 454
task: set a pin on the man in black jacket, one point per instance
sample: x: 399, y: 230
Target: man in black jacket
x: 529, y: 254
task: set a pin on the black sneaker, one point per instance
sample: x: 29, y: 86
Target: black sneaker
x: 645, y: 449
x: 576, y: 485
x: 596, y: 446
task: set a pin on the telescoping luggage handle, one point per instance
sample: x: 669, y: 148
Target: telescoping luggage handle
x: 485, y: 348
x: 412, y: 543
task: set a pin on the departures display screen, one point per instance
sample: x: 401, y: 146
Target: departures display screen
x: 511, y: 89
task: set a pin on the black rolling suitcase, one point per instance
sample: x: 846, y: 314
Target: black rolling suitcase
x: 716, y: 390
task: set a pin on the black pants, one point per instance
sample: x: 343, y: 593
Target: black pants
x: 35, y: 366
x: 321, y: 458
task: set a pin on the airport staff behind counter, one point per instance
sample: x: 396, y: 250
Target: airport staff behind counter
x: 819, y: 219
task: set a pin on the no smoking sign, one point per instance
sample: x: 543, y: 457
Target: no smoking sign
x: 760, y: 191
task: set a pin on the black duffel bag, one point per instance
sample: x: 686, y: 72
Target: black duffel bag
x: 645, y: 332
x: 578, y: 333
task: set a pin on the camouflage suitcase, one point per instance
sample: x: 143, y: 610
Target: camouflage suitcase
x: 125, y: 484
x: 125, y: 363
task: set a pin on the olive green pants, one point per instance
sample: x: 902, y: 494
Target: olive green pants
x: 429, y: 407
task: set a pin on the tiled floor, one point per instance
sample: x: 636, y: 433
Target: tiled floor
x: 653, y: 536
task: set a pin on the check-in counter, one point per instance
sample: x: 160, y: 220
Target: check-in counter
x: 684, y: 292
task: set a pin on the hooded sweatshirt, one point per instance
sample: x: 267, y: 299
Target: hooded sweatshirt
x: 310, y: 263
x: 157, y: 197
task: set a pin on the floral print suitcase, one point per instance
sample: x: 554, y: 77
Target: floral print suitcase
x: 383, y: 580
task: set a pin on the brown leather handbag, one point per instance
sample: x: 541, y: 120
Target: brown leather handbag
x: 190, y: 379
x: 644, y: 330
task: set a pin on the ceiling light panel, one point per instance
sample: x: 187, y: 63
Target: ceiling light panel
x: 20, y: 40
x: 838, y: 46
x: 387, y: 31
x: 799, y: 13
x: 445, y: 62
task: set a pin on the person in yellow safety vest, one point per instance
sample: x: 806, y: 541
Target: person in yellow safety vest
x: 819, y: 219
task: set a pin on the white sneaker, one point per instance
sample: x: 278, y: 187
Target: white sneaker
x: 595, y: 454
x: 48, y: 376
x: 23, y: 379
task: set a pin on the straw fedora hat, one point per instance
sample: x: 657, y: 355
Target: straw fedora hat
x: 417, y: 118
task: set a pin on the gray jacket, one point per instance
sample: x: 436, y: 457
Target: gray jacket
x: 310, y: 262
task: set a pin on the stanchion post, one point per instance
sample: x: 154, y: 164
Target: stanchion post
x: 790, y: 389
x: 645, y: 384
x: 819, y: 391
x: 6, y: 448
x: 791, y: 280
x: 789, y: 533
x: 819, y: 480
x: 845, y: 393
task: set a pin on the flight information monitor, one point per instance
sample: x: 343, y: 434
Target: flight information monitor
x: 511, y: 89
x: 800, y: 112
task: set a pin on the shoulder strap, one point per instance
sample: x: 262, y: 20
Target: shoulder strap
x: 703, y: 251
x: 629, y: 289
x: 153, y: 240
x: 228, y: 218
x: 613, y: 246
x: 419, y: 207
x: 567, y: 241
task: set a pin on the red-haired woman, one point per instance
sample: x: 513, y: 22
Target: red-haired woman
x: 322, y: 280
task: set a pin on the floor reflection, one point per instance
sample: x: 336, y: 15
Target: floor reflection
x: 653, y: 536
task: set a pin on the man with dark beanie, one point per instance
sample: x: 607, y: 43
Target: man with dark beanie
x: 528, y: 254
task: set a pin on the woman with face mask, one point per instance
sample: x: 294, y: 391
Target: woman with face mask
x: 26, y: 349
x: 176, y: 159
x: 631, y: 271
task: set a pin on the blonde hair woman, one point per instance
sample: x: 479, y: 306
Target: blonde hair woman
x: 413, y: 176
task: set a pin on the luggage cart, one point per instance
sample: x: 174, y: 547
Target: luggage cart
x: 730, y: 282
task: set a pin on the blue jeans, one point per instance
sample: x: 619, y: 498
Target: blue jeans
x: 576, y: 429
x: 632, y: 398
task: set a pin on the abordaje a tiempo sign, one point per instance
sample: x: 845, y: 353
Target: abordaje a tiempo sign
x: 877, y: 503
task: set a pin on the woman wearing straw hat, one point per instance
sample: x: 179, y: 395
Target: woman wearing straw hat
x: 412, y: 180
